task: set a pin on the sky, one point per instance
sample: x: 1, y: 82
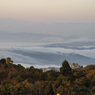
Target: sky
x: 49, y: 11
x: 59, y: 17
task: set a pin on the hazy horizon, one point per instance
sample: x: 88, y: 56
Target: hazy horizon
x: 83, y: 30
x: 65, y: 17
x: 47, y: 11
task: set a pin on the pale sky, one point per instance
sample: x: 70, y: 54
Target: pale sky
x: 48, y: 11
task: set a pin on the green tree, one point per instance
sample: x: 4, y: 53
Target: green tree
x: 65, y: 69
x: 3, y: 61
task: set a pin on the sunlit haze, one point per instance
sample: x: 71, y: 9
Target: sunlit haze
x: 48, y: 11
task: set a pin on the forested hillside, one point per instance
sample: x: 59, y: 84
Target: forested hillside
x: 18, y: 80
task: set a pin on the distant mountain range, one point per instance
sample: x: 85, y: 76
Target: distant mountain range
x: 65, y: 29
x: 50, y: 59
x: 77, y: 45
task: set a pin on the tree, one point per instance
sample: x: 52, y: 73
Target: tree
x: 3, y: 61
x: 49, y: 90
x: 75, y: 66
x: 65, y: 69
x: 90, y: 67
x: 9, y: 61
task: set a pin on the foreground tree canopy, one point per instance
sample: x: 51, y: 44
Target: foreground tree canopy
x: 17, y: 80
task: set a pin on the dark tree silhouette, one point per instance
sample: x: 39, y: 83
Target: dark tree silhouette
x: 65, y: 69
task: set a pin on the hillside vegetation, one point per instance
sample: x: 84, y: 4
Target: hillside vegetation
x: 17, y: 80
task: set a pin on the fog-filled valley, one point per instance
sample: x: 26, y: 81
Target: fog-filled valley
x: 42, y: 50
x: 45, y: 45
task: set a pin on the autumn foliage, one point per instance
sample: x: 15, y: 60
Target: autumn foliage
x: 17, y: 80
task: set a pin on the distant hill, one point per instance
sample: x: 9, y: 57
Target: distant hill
x: 50, y: 59
x: 76, y: 45
x: 65, y: 29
